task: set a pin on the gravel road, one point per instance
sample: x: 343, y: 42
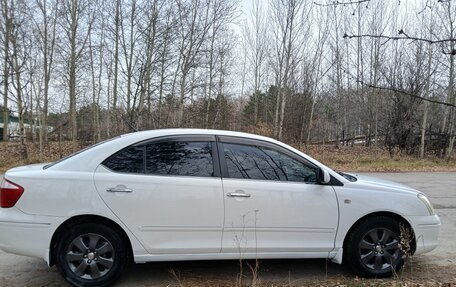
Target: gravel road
x: 437, y: 266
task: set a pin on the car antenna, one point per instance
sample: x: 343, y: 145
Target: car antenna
x: 128, y: 123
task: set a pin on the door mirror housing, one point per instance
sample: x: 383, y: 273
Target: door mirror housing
x: 323, y: 176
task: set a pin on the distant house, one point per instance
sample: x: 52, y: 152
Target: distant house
x: 13, y: 127
x: 11, y: 122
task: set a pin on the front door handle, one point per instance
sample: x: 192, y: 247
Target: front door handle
x: 119, y: 188
x: 238, y: 194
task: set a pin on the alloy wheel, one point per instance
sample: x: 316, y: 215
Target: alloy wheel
x: 90, y: 256
x: 380, y: 249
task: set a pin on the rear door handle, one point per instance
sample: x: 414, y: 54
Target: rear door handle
x: 238, y: 194
x: 119, y: 188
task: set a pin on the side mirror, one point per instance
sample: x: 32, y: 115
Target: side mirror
x: 323, y: 176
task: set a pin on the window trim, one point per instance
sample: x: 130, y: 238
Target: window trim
x: 254, y: 142
x: 173, y: 138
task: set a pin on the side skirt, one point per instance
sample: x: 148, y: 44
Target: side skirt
x: 333, y: 255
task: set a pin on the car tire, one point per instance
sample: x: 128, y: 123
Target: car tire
x: 91, y: 254
x: 373, y: 247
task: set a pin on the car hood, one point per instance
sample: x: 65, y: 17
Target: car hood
x: 386, y: 185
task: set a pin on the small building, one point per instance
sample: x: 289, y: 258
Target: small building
x: 13, y: 127
x: 13, y: 123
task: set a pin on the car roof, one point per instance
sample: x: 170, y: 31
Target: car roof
x: 191, y: 131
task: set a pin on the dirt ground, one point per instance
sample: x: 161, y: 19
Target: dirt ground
x: 437, y: 268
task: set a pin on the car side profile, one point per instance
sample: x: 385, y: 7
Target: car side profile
x: 194, y: 194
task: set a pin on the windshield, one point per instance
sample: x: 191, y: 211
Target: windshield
x: 78, y: 152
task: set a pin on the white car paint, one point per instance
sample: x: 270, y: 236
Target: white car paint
x: 279, y: 217
x: 187, y: 218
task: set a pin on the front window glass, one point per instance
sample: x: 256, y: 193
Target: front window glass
x: 179, y: 158
x: 256, y: 162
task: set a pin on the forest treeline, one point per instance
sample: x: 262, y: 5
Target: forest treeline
x: 302, y: 71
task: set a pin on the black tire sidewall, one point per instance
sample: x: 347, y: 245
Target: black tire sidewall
x: 120, y: 251
x: 353, y: 255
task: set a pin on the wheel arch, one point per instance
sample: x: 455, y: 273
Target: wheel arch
x: 389, y: 214
x: 79, y: 219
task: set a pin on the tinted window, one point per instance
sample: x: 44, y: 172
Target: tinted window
x: 179, y: 158
x: 129, y: 160
x: 255, y: 162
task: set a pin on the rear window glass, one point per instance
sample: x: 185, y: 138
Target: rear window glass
x: 179, y: 158
x: 165, y: 158
x: 129, y: 160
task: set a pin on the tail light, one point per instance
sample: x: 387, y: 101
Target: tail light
x: 9, y: 193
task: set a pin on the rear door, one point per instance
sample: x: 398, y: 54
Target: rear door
x: 168, y: 192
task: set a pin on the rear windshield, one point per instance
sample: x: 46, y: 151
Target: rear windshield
x: 78, y: 152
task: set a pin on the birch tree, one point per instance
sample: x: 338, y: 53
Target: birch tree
x: 6, y: 27
x: 17, y: 58
x: 285, y: 16
x: 256, y: 35
x: 194, y: 25
x: 76, y: 25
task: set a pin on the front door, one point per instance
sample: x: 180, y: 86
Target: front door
x: 273, y: 202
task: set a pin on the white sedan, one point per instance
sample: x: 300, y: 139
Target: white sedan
x: 188, y: 194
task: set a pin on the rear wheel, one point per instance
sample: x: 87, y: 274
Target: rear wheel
x: 373, y: 247
x: 91, y: 255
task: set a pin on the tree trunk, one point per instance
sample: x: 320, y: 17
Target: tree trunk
x: 19, y: 100
x: 48, y: 58
x: 162, y: 77
x: 116, y: 64
x: 6, y: 42
x: 425, y: 112
x: 72, y: 73
x: 452, y: 100
x: 452, y: 110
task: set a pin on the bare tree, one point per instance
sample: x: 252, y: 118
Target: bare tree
x: 116, y: 58
x: 194, y: 25
x: 75, y: 12
x: 164, y: 56
x: 257, y: 40
x: 448, y: 17
x: 45, y: 23
x: 427, y: 89
x: 315, y: 71
x: 285, y: 14
x: 6, y: 33
x: 17, y: 60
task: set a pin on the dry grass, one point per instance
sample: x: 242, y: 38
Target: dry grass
x: 418, y: 276
x: 10, y: 153
x: 345, y: 158
x: 375, y: 159
x: 336, y: 283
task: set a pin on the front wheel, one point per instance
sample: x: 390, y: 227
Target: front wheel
x: 91, y: 255
x: 373, y: 248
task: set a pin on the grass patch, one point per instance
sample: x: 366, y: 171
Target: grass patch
x: 10, y: 153
x: 182, y: 281
x: 375, y: 159
x: 349, y: 283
